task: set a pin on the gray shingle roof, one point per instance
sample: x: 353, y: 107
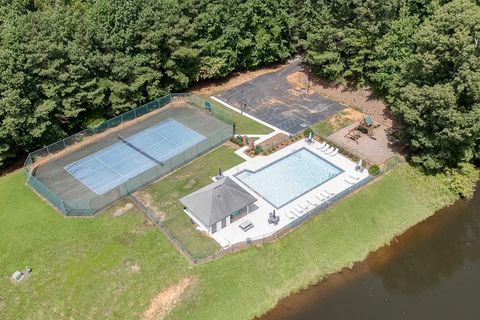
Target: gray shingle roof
x: 217, y: 201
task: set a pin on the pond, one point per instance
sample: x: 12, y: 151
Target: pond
x: 430, y: 272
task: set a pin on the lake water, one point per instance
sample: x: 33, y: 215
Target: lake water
x: 430, y: 272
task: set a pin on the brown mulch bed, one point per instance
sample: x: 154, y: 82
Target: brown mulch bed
x: 279, y: 137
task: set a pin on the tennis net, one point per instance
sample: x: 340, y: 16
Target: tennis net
x: 119, y: 137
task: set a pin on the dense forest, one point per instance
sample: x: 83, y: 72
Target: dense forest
x: 69, y: 64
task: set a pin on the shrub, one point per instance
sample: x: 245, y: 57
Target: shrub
x: 307, y: 132
x: 238, y: 140
x: 258, y: 150
x: 461, y: 180
x: 374, y: 170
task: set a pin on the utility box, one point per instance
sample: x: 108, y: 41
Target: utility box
x: 17, y: 276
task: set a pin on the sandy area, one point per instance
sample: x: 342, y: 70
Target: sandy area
x: 147, y: 200
x: 120, y: 210
x: 347, y: 116
x: 375, y: 150
x: 161, y: 305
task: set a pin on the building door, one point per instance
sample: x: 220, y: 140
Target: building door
x: 224, y: 223
x: 214, y: 228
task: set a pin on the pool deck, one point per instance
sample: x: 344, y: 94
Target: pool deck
x: 232, y: 234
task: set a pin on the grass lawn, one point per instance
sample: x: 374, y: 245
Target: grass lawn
x: 248, y: 283
x: 83, y: 268
x: 333, y: 123
x: 166, y: 192
x: 243, y: 125
x: 111, y: 267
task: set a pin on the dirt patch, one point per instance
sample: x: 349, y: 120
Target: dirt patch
x: 344, y: 118
x: 118, y: 211
x: 214, y: 86
x: 361, y: 98
x: 189, y: 184
x: 135, y: 268
x: 229, y: 144
x: 161, y: 305
x: 298, y: 79
x: 273, y: 141
x: 374, y: 150
x: 147, y: 200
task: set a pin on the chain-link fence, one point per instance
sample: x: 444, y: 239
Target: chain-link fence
x: 222, y: 114
x: 45, y: 171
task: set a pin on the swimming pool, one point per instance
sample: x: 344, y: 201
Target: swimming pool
x: 288, y: 178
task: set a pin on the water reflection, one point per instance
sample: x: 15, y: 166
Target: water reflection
x: 431, y: 251
x: 430, y: 272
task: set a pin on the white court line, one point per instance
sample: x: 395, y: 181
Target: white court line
x: 115, y: 171
x: 249, y: 116
x: 150, y: 164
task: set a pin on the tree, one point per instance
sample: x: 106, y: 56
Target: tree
x: 342, y: 44
x: 439, y: 104
x: 65, y: 65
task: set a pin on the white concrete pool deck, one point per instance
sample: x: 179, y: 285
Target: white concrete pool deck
x: 232, y: 234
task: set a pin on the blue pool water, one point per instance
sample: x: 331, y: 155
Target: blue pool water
x: 290, y: 177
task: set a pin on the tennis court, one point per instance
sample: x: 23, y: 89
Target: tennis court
x: 126, y: 159
x: 93, y: 169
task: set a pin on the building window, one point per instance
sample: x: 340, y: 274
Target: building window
x: 224, y: 223
x: 214, y: 228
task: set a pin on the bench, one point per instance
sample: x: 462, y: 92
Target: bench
x: 246, y: 225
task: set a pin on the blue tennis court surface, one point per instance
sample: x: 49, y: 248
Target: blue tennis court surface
x: 108, y: 168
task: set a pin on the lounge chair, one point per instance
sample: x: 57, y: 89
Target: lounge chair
x: 227, y: 242
x: 321, y: 146
x: 353, y: 177
x: 298, y: 209
x: 312, y: 202
x: 320, y: 197
x: 324, y: 194
x: 325, y: 147
x: 330, y: 151
x: 304, y: 206
x: 348, y: 181
x: 331, y: 194
x: 334, y: 153
x: 290, y: 215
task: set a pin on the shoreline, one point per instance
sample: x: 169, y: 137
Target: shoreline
x: 426, y: 231
x: 313, y: 273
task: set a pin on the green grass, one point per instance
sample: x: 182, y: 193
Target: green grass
x: 327, y: 127
x: 166, y: 192
x: 82, y: 267
x: 243, y: 125
x: 248, y: 283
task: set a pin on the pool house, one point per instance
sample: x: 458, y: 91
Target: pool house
x: 217, y: 205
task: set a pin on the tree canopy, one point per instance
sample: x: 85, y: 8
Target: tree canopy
x: 66, y: 65
x: 422, y: 56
